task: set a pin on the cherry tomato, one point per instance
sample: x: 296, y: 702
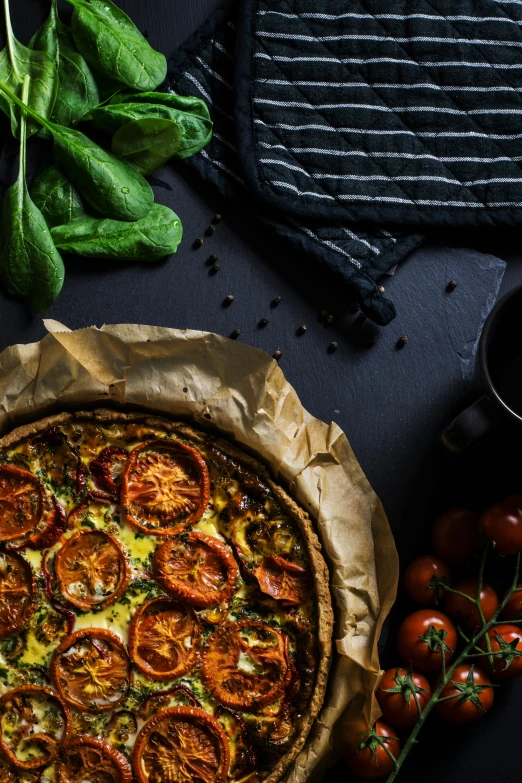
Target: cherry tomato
x: 423, y: 636
x: 461, y: 609
x: 399, y: 693
x: 508, y: 640
x: 502, y: 524
x: 513, y: 608
x: 422, y: 572
x: 473, y: 695
x: 455, y: 535
x: 370, y: 760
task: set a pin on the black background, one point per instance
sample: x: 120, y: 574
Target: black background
x: 391, y: 403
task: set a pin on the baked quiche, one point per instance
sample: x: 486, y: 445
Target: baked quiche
x: 165, y: 613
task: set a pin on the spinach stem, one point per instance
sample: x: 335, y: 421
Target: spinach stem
x: 10, y: 39
x: 26, y: 109
x: 22, y: 182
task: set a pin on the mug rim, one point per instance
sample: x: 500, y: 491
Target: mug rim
x: 483, y: 346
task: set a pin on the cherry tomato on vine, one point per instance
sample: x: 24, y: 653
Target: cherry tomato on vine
x: 455, y: 535
x: 502, y: 524
x: 513, y: 608
x: 423, y: 572
x: 506, y: 639
x: 370, y: 760
x: 424, y: 636
x: 471, y: 695
x: 463, y: 610
x: 402, y: 695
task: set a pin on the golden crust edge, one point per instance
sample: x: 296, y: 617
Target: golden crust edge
x: 319, y: 566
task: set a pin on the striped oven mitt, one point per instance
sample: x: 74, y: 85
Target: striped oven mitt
x: 353, y: 127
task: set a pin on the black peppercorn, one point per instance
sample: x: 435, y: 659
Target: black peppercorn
x: 210, y: 230
x: 198, y: 242
x: 217, y: 218
x: 228, y: 300
x: 329, y: 318
x: 215, y: 268
x: 277, y: 355
x: 451, y: 286
x: 263, y: 322
x: 301, y: 329
x: 401, y: 342
x: 275, y: 301
x: 333, y: 347
x: 235, y: 334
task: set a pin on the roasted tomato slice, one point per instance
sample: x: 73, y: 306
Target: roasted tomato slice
x: 245, y: 665
x: 164, y: 639
x: 107, y: 468
x: 181, y: 744
x: 92, y: 569
x: 91, y: 760
x: 198, y: 569
x: 90, y: 669
x: 22, y: 502
x: 34, y: 724
x: 286, y: 581
x: 16, y: 592
x: 165, y: 485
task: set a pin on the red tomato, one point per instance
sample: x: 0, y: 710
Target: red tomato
x: 513, y: 608
x: 370, y: 760
x: 502, y: 524
x: 399, y: 693
x: 461, y: 609
x: 423, y: 636
x: 455, y: 535
x: 420, y: 573
x: 473, y: 695
x: 508, y: 640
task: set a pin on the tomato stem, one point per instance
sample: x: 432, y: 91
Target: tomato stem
x: 464, y: 655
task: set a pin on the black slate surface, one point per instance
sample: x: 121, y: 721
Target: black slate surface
x: 391, y: 403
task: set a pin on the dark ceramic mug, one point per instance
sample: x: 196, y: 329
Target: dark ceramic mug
x: 500, y: 361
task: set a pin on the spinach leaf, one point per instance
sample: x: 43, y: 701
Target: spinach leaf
x: 110, y: 185
x: 147, y: 143
x: 58, y: 200
x: 148, y: 239
x: 191, y: 114
x: 17, y: 61
x: 112, y: 44
x: 77, y: 89
x: 30, y: 265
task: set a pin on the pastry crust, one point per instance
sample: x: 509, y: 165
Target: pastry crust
x: 325, y: 618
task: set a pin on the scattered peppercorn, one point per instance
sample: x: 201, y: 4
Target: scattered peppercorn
x: 210, y: 230
x: 263, y: 322
x: 451, y: 286
x: 215, y: 268
x: 217, y: 218
x: 401, y: 342
x: 332, y: 347
x: 277, y: 355
x: 228, y: 300
x: 212, y: 257
x: 275, y: 301
x: 301, y: 329
x: 382, y: 289
x: 329, y: 318
x: 198, y: 242
x: 235, y: 334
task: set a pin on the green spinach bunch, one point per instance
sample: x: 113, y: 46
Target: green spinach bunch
x: 89, y: 201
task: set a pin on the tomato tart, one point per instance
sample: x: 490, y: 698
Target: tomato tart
x: 165, y: 613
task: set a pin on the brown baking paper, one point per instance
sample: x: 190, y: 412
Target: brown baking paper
x: 243, y: 393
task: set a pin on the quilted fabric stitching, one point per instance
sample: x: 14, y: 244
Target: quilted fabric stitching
x: 376, y: 161
x: 405, y: 124
x: 332, y: 238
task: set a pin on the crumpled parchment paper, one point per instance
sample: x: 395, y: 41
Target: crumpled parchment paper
x: 241, y: 391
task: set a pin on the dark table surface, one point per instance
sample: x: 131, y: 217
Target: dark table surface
x: 390, y: 403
